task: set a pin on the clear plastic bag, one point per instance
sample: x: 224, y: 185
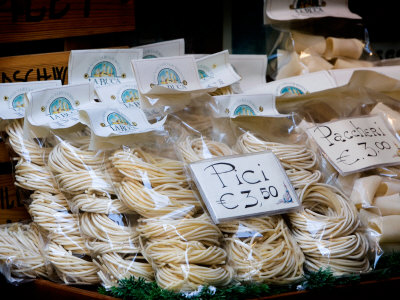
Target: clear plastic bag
x: 21, y: 256
x: 178, y: 238
x: 259, y: 249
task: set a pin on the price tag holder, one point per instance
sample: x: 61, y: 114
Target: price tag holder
x: 243, y: 186
x: 357, y: 144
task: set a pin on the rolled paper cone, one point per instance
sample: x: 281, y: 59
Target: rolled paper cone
x: 316, y: 43
x: 388, y: 205
x: 364, y: 190
x: 351, y: 48
x: 289, y: 65
x: 388, y: 227
x: 346, y: 63
x: 391, y: 115
x: 314, y: 63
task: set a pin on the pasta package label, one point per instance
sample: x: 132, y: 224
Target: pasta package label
x: 246, y: 185
x: 298, y: 85
x: 285, y: 10
x: 252, y: 69
x: 57, y: 108
x: 232, y: 106
x: 216, y: 71
x: 108, y: 121
x: 125, y: 95
x: 102, y: 67
x: 172, y: 75
x: 357, y: 144
x: 13, y: 97
x: 163, y: 49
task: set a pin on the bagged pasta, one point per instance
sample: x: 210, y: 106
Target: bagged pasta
x: 328, y: 220
x: 21, y: 255
x: 52, y: 115
x: 308, y: 41
x: 362, y: 159
x: 176, y: 237
x: 259, y: 248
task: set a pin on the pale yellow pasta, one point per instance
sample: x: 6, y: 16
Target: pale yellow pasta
x: 311, y: 43
x: 188, y: 277
x: 28, y: 150
x: 158, y: 201
x: 388, y: 227
x: 326, y: 229
x: 20, y: 251
x: 347, y: 63
x: 152, y: 170
x: 226, y: 90
x: 315, y: 63
x: 114, y: 266
x: 200, y: 229
x: 364, y: 190
x: 174, y: 251
x: 34, y: 177
x: 97, y: 204
x: 101, y: 227
x: 388, y: 205
x: 388, y: 187
x: 71, y: 268
x: 351, y: 48
x: 194, y: 149
x: 291, y: 156
x: 262, y: 250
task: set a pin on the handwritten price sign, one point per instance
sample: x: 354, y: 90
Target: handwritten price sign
x: 245, y: 185
x: 353, y: 145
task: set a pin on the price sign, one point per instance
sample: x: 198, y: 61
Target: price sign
x: 357, y: 144
x: 245, y: 185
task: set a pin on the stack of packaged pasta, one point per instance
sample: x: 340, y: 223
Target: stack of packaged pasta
x: 21, y: 244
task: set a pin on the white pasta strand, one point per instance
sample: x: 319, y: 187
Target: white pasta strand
x: 103, y: 228
x: 194, y: 149
x: 71, y: 268
x: 291, y: 156
x: 263, y: 250
x: 200, y: 229
x: 114, y: 266
x: 28, y: 150
x: 137, y: 165
x: 19, y: 250
x: 174, y: 251
x: 34, y: 177
x: 326, y: 230
x: 97, y: 204
x: 189, y: 276
x: 155, y: 202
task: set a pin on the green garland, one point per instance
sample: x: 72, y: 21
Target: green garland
x: 132, y: 288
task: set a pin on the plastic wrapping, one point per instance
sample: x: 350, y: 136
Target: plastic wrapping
x: 178, y: 238
x: 258, y: 249
x: 21, y: 256
x: 309, y: 42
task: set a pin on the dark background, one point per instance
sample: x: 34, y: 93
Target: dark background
x: 202, y: 24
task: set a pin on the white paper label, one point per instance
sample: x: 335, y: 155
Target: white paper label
x: 163, y: 49
x: 172, y: 75
x: 284, y: 10
x: 245, y: 185
x: 124, y: 95
x: 298, y: 85
x: 356, y: 144
x: 102, y: 67
x: 57, y: 108
x: 108, y: 121
x: 216, y: 71
x: 252, y: 69
x: 233, y: 106
x: 13, y: 98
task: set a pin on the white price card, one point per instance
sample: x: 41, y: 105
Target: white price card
x: 357, y: 144
x: 242, y: 186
